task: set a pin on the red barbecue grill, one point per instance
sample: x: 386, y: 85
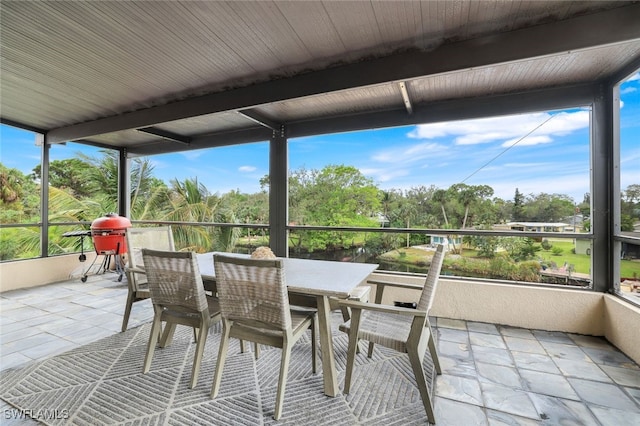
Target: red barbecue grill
x: 108, y: 235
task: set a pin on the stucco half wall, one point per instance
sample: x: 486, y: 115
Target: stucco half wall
x: 532, y: 307
x: 622, y: 326
x: 35, y: 272
x: 550, y: 309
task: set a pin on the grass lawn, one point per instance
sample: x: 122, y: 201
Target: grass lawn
x: 409, y: 255
x: 581, y: 262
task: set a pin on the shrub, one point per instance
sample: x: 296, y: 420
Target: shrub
x: 502, y: 267
x: 557, y: 251
x: 528, y: 271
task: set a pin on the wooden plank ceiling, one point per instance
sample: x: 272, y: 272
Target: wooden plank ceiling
x: 119, y: 74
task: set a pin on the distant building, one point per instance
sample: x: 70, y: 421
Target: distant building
x: 382, y: 220
x: 540, y: 226
x: 583, y: 247
x: 448, y: 242
x: 630, y: 251
x: 576, y: 221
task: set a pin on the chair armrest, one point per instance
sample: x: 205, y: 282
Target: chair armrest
x: 135, y: 269
x: 392, y: 284
x: 381, y: 285
x: 382, y: 308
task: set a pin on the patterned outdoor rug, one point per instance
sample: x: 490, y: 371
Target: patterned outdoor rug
x: 102, y: 383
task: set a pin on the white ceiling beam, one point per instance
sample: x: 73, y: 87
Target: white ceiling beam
x: 166, y: 135
x: 405, y: 97
x: 260, y: 119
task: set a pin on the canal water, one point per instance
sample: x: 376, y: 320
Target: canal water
x: 356, y: 254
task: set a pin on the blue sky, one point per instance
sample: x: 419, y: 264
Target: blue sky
x: 539, y: 152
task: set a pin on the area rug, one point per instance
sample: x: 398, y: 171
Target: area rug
x: 102, y: 383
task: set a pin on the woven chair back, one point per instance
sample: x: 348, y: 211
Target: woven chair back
x: 253, y: 290
x: 174, y: 280
x: 429, y: 290
x: 157, y: 238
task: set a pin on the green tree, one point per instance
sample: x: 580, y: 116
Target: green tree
x: 388, y: 200
x: 149, y: 194
x: 629, y: 207
x: 517, y: 213
x: 632, y: 193
x: 486, y: 246
x: 247, y: 208
x: 626, y: 223
x: 19, y: 197
x: 71, y: 175
x: 470, y: 195
x: 10, y: 185
x: 545, y: 207
x: 191, y: 202
x: 519, y: 249
x: 440, y: 197
x: 337, y: 195
x: 102, y: 174
x: 408, y: 211
x: 427, y: 210
x: 225, y: 237
x: 585, y: 206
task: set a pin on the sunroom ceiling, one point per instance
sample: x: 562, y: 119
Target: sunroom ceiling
x: 157, y: 77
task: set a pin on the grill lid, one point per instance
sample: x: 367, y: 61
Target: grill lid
x: 111, y: 221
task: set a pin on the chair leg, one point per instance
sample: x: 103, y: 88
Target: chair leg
x: 370, y: 351
x: 314, y: 347
x: 222, y: 355
x: 345, y: 313
x: 167, y: 336
x: 153, y: 340
x: 127, y: 310
x: 282, y: 381
x: 353, y: 344
x: 197, y: 357
x: 256, y: 350
x: 434, y: 352
x: 416, y: 364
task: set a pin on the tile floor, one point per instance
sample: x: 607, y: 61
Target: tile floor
x: 491, y: 374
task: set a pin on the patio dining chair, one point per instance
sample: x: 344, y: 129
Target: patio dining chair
x: 254, y: 303
x: 405, y: 330
x: 158, y: 238
x: 178, y: 297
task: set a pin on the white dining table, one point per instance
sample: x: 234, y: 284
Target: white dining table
x: 317, y: 281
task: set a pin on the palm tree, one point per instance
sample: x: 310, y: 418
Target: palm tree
x: 225, y: 238
x: 440, y: 196
x: 10, y: 184
x: 408, y: 211
x: 191, y: 202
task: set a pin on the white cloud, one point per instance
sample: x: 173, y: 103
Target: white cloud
x: 533, y: 129
x: 246, y: 169
x: 385, y: 174
x: 412, y: 153
x: 193, y: 154
x: 529, y: 141
x: 157, y: 164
